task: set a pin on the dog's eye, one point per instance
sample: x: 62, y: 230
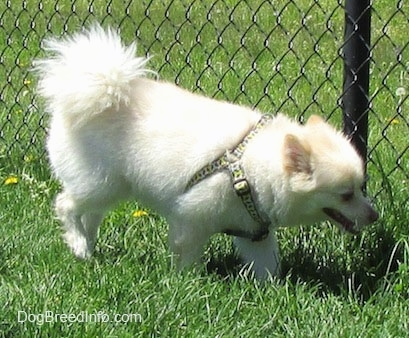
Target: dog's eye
x: 346, y: 197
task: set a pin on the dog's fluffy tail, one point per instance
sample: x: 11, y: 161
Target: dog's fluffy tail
x: 88, y: 73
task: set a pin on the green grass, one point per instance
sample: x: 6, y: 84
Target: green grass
x: 334, y: 285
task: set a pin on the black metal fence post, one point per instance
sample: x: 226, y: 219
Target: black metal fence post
x: 355, y: 99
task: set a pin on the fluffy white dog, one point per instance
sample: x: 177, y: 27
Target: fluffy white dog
x: 207, y: 166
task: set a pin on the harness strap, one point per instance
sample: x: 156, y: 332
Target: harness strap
x: 223, y: 161
x: 242, y: 188
x: 231, y: 160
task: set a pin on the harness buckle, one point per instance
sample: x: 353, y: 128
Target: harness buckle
x: 241, y: 187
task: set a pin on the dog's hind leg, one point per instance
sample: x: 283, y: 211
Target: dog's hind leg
x: 263, y: 255
x: 80, y: 229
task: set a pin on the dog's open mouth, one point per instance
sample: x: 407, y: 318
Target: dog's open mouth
x: 345, y: 222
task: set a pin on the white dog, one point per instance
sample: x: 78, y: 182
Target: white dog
x: 207, y: 166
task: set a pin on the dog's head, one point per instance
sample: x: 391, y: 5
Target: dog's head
x: 326, y: 176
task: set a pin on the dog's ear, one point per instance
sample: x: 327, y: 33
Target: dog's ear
x: 318, y: 121
x: 296, y: 156
x: 315, y: 119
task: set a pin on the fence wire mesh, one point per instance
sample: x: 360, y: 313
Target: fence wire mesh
x: 271, y: 55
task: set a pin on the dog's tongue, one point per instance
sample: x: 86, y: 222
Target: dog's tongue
x: 346, y: 223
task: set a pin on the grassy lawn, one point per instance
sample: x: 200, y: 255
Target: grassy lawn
x: 255, y: 54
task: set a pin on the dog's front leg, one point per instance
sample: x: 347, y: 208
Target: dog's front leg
x: 263, y: 255
x: 186, y: 243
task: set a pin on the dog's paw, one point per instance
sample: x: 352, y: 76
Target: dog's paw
x: 262, y: 256
x: 78, y: 245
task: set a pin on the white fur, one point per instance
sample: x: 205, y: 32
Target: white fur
x: 117, y: 135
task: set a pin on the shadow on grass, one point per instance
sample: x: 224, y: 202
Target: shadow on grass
x: 361, y: 274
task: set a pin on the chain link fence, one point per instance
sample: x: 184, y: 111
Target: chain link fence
x: 272, y: 55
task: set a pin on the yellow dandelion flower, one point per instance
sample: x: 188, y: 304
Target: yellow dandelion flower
x: 140, y: 213
x: 11, y: 180
x: 392, y: 120
x: 27, y: 82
